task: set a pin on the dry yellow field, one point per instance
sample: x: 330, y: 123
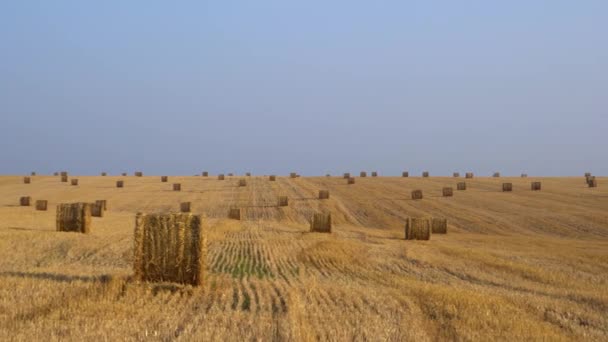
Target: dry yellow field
x: 514, y: 266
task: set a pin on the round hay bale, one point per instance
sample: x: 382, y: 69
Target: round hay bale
x: 283, y: 201
x: 27, y: 180
x: 25, y: 201
x: 120, y: 184
x: 405, y: 174
x: 242, y: 182
x: 418, y: 228
x: 41, y: 205
x: 220, y: 177
x: 461, y: 186
x: 350, y: 180
x: 417, y: 194
x: 374, y: 174
x: 177, y: 187
x: 448, y: 192
x: 164, y: 179
x: 535, y: 186
x: 74, y: 181
x: 272, y: 178
x: 425, y: 174
x: 469, y: 175
x: 184, y: 207
x: 346, y: 175
x: 205, y: 174
x: 362, y: 174
x: 323, y: 194
x: 456, y: 174
x: 506, y: 187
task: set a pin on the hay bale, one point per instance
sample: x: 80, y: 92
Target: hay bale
x: 346, y: 175
x: 448, y: 192
x: 507, y: 187
x: 425, y: 174
x: 439, y: 225
x: 169, y: 248
x: 164, y: 179
x: 103, y: 174
x: 64, y: 173
x: 405, y: 174
x: 351, y: 180
x: 25, y: 201
x: 524, y: 175
x: 496, y: 174
x: 64, y: 179
x: 177, y: 187
x: 327, y: 175
x: 535, y: 186
x: 220, y: 177
x: 461, y: 186
x: 592, y: 182
x: 321, y: 223
x: 242, y: 182
x: 74, y: 217
x: 587, y: 174
x: 283, y: 201
x: 417, y: 194
x: 120, y: 184
x: 33, y: 173
x: 103, y: 203
x: 41, y: 205
x: 97, y: 209
x: 456, y: 174
x: 272, y: 178
x: 469, y: 175
x: 417, y: 228
x: 55, y: 173
x: 124, y: 174
x: 362, y: 174
x: 205, y: 174
x: 184, y: 207
x: 293, y: 175
x: 74, y: 182
x: 138, y: 174
x: 234, y: 213
x: 27, y: 180
x: 248, y: 174
x: 230, y: 174
x: 374, y: 174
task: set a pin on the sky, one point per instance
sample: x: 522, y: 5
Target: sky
x: 314, y: 87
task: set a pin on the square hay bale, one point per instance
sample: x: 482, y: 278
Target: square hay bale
x: 535, y: 186
x: 417, y: 228
x: 220, y: 177
x: 205, y: 174
x: 103, y: 174
x: 97, y: 209
x: 25, y: 201
x: 439, y: 225
x: 234, y: 213
x: 120, y: 184
x: 417, y: 194
x: 496, y: 174
x: 139, y: 174
x: 64, y: 179
x: 27, y: 180
x: 103, y: 203
x: 507, y: 187
x: 374, y: 174
x: 272, y: 178
x: 283, y: 201
x: 456, y: 174
x: 321, y: 223
x: 242, y: 182
x: 346, y: 175
x: 169, y: 248
x: 351, y: 180
x: 362, y: 174
x: 293, y: 175
x: 64, y: 173
x: 405, y: 174
x: 323, y: 194
x: 41, y: 205
x: 74, y: 181
x: 448, y: 192
x: 592, y: 182
x: 425, y: 174
x: 524, y: 175
x: 469, y: 175
x: 164, y: 179
x: 177, y: 187
x: 461, y: 186
x: 184, y: 207
x: 74, y: 217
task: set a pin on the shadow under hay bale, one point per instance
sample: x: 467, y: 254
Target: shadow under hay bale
x: 220, y: 177
x: 362, y: 174
x: 425, y: 174
x: 184, y: 207
x: 139, y: 174
x: 506, y: 187
x: 417, y: 194
x: 469, y: 175
x: 417, y: 228
x: 323, y: 194
x: 439, y: 225
x: 320, y: 223
x: 374, y: 174
x: 169, y: 248
x: 177, y: 187
x: 74, y: 182
x: 283, y: 201
x: 456, y: 175
x: 234, y: 213
x: 448, y: 192
x: 74, y: 217
x: 42, y: 205
x: 205, y: 174
x: 461, y: 186
x: 27, y: 180
x: 25, y: 201
x: 350, y: 180
x: 64, y: 179
x: 405, y: 174
x: 97, y: 209
x: 272, y: 178
x: 535, y: 186
x: 120, y: 184
x: 242, y: 182
x: 164, y: 179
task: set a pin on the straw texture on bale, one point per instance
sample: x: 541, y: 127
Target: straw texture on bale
x: 120, y: 184
x: 293, y: 175
x: 272, y: 178
x: 234, y: 213
x: 242, y: 182
x: 362, y: 174
x: 177, y: 187
x: 448, y: 192
x: 417, y: 228
x: 351, y: 180
x: 323, y: 194
x: 169, y: 248
x: 139, y: 174
x: 469, y: 175
x: 461, y: 186
x: 220, y: 177
x: 184, y: 207
x: 374, y: 174
x: 496, y: 174
x: 456, y: 174
x: 535, y: 186
x: 64, y: 179
x: 25, y: 201
x: 507, y: 187
x: 74, y: 181
x: 74, y: 217
x: 97, y: 209
x: 27, y: 180
x: 417, y: 194
x: 321, y: 222
x: 425, y: 174
x: 405, y: 174
x: 41, y: 205
x: 346, y: 175
x: 205, y: 174
x: 439, y: 225
x: 283, y: 201
x: 164, y: 179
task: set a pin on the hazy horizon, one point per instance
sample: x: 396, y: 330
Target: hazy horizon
x: 272, y: 87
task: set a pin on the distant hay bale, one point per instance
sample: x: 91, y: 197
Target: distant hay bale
x: 374, y: 174
x: 448, y: 192
x: 425, y: 174
x: 74, y: 217
x: 587, y: 174
x: 242, y: 182
x: 323, y: 194
x: 64, y: 179
x: 25, y: 201
x: 177, y: 187
x: 234, y: 213
x: 351, y: 180
x: 417, y: 194
x: 298, y: 175
x: 439, y: 225
x: 64, y: 173
x: 461, y: 186
x: 524, y: 175
x: 327, y: 175
x: 321, y: 223
x: 41, y: 205
x: 220, y: 177
x: 496, y: 174
x: 405, y: 174
x: 138, y: 174
x: 456, y: 174
x: 164, y: 179
x: 33, y: 173
x: 272, y: 178
x: 74, y: 181
x: 248, y: 174
x: 293, y: 175
x: 535, y: 186
x: 469, y: 175
x: 283, y: 201
x: 592, y: 182
x: 55, y: 173
x: 417, y: 228
x: 103, y: 204
x: 362, y: 174
x: 120, y: 184
x: 27, y: 180
x: 124, y: 174
x: 97, y: 209
x: 346, y: 175
x: 205, y: 174
x: 230, y: 174
x: 507, y: 187
x: 184, y: 207
x: 103, y: 174
x: 169, y: 248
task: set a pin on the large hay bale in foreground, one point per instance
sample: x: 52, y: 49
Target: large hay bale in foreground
x: 535, y: 186
x: 169, y: 248
x: 234, y: 213
x: 293, y: 175
x: 272, y: 178
x: 184, y: 207
x: 323, y: 194
x: 74, y: 217
x: 242, y: 182
x: 350, y: 180
x: 461, y: 186
x: 507, y: 187
x: 25, y: 201
x: 138, y: 174
x: 439, y: 225
x: 469, y: 175
x: 177, y: 187
x: 27, y: 180
x: 321, y: 223
x: 362, y: 174
x: 374, y: 174
x: 64, y: 179
x: 405, y: 174
x: 425, y: 174
x: 448, y: 192
x: 496, y: 174
x: 120, y: 184
x: 42, y: 205
x: 456, y: 174
x: 417, y: 194
x: 164, y: 179
x: 346, y: 175
x: 220, y: 177
x: 205, y: 174
x: 283, y: 201
x: 417, y: 228
x: 97, y: 209
x: 74, y: 181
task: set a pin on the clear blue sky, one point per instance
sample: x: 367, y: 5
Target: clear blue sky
x: 308, y: 86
